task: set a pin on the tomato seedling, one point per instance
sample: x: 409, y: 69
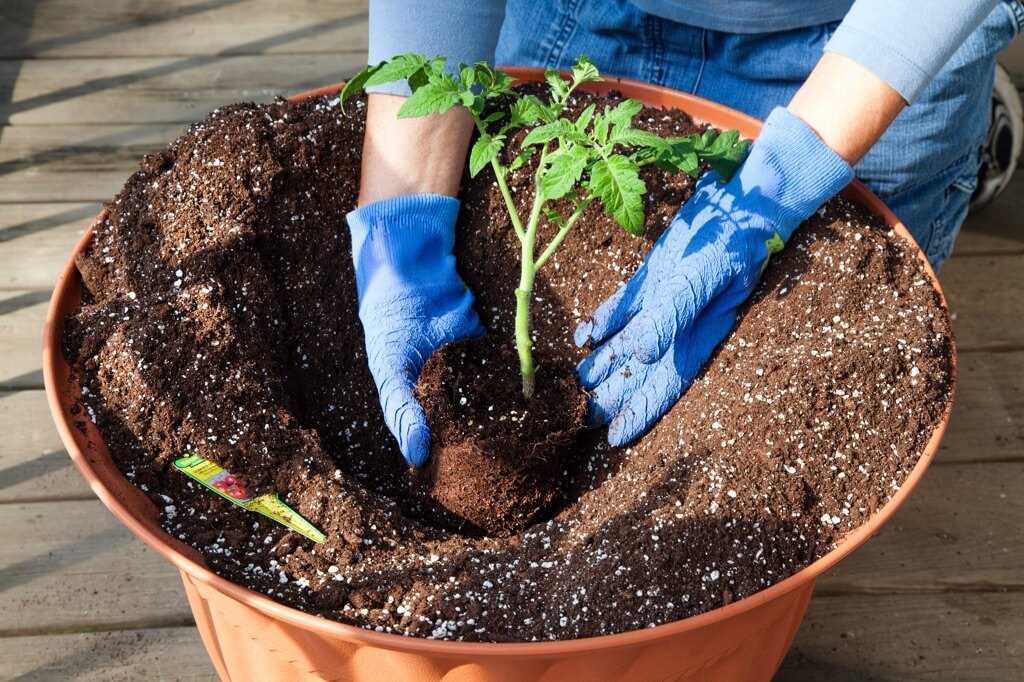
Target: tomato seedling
x: 595, y: 158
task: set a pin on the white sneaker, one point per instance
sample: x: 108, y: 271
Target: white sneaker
x: 1002, y: 150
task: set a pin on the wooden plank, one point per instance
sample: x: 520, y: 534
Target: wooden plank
x: 145, y: 28
x: 174, y: 653
x: 37, y: 239
x: 73, y: 566
x: 984, y: 295
x: 962, y: 637
x: 33, y: 463
x: 75, y: 163
x: 158, y: 90
x: 997, y: 227
x: 89, y: 163
x: 987, y: 425
x: 988, y: 416
x: 60, y: 579
x: 959, y: 531
x: 22, y: 314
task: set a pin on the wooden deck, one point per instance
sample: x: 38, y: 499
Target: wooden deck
x: 87, y: 87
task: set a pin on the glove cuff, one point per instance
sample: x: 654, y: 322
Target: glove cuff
x: 410, y: 236
x: 407, y: 215
x: 790, y: 166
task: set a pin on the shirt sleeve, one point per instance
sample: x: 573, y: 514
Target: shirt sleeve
x: 464, y: 31
x: 907, y: 42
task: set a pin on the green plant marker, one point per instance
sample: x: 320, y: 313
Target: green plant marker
x: 774, y: 244
x: 221, y: 481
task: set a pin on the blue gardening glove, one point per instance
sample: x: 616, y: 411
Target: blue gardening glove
x: 411, y: 302
x: 660, y: 328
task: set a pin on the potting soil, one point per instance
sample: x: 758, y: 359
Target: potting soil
x: 220, y: 320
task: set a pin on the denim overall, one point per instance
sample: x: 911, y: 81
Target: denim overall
x: 926, y: 165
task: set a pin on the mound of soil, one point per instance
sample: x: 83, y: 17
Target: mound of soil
x: 220, y: 319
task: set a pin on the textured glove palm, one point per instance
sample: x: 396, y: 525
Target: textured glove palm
x: 660, y: 328
x: 411, y: 302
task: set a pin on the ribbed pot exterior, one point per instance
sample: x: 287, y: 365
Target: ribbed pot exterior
x: 247, y: 645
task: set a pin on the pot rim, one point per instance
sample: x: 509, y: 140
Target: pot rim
x: 56, y: 372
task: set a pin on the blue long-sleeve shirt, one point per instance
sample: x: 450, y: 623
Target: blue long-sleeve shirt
x: 903, y: 42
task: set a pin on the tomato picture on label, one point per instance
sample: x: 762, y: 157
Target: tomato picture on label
x: 231, y: 486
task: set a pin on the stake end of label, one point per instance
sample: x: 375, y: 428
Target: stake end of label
x: 216, y: 478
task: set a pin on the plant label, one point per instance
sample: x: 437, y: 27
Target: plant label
x: 224, y: 483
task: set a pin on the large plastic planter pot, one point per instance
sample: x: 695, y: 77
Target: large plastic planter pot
x: 251, y: 637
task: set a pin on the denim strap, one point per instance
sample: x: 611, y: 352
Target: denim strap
x: 1016, y: 10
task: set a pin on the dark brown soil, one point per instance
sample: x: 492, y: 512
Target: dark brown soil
x: 496, y: 458
x: 220, y: 319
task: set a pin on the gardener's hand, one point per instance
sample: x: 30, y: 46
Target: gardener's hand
x: 411, y: 302
x: 658, y: 330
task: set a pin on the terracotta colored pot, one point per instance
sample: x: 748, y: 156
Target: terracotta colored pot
x: 251, y: 637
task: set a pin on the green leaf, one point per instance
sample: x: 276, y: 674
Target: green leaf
x: 554, y: 217
x: 494, y: 116
x: 686, y: 162
x: 397, y: 69
x: 724, y: 151
x: 467, y: 74
x: 494, y: 81
x: 601, y: 129
x: 524, y: 110
x: 623, y: 113
x: 584, y: 119
x: 436, y: 97
x: 560, y: 129
x: 679, y: 155
x: 774, y: 244
x: 521, y: 158
x: 724, y: 142
x: 356, y: 84
x: 484, y: 74
x: 728, y: 162
x: 502, y: 83
x: 584, y: 71
x: 616, y: 182
x: 683, y: 144
x: 634, y: 137
x: 565, y: 171
x: 418, y: 79
x: 559, y: 86
x: 484, y: 150
x: 544, y: 112
x: 435, y: 65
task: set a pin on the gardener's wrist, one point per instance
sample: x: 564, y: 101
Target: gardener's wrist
x: 868, y: 105
x: 791, y: 172
x: 403, y: 156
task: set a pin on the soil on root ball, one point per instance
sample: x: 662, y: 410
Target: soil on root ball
x: 220, y: 318
x: 496, y: 458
